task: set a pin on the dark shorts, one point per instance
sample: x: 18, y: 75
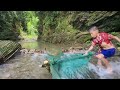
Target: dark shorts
x: 108, y: 53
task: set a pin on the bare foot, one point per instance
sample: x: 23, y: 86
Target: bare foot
x: 100, y: 64
x: 109, y: 70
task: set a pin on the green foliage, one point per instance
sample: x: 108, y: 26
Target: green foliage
x: 84, y: 39
x: 7, y: 25
x: 61, y: 26
x: 15, y: 23
x: 32, y: 24
x: 114, y: 41
x: 56, y: 26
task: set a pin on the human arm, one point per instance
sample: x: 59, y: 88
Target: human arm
x: 90, y: 48
x: 110, y: 36
x: 116, y: 38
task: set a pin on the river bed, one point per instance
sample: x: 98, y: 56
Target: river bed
x: 28, y: 66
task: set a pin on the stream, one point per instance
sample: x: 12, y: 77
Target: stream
x: 28, y: 66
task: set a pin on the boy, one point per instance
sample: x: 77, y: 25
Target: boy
x: 107, y: 49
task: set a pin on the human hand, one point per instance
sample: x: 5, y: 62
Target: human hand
x: 86, y: 53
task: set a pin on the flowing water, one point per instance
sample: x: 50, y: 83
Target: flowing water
x: 28, y: 66
x: 103, y: 73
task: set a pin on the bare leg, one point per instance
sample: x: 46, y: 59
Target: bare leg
x: 99, y: 62
x: 109, y: 67
x: 105, y: 61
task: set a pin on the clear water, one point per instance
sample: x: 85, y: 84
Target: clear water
x: 29, y: 66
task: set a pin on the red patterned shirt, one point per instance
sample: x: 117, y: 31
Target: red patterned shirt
x: 103, y: 37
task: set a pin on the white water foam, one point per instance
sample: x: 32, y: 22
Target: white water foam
x: 102, y: 72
